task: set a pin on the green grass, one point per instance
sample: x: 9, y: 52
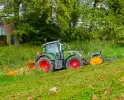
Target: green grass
x: 13, y: 58
x: 78, y: 84
x: 108, y: 48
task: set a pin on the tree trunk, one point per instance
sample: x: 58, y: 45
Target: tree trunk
x: 16, y: 13
x: 8, y: 39
x: 16, y: 41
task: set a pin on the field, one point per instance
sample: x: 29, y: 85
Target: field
x: 92, y: 82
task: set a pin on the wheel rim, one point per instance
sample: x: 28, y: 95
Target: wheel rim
x: 45, y: 66
x: 74, y: 64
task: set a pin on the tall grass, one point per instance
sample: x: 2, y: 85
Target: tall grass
x: 14, y: 58
x: 109, y: 49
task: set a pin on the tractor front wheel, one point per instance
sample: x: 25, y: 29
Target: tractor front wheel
x: 73, y: 62
x: 45, y: 64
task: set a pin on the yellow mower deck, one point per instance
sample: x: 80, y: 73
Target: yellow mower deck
x: 96, y: 60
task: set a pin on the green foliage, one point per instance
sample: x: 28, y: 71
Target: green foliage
x: 54, y: 19
x: 104, y: 23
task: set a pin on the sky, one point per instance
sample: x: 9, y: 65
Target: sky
x: 1, y: 6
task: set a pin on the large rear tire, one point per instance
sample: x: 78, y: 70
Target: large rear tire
x: 45, y: 64
x: 74, y: 62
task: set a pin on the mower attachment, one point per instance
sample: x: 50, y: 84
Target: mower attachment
x: 96, y: 58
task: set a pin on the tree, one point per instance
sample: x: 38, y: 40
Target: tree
x: 52, y: 19
x: 12, y: 11
x: 117, y: 10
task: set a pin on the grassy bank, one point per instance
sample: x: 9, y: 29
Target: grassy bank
x: 98, y: 82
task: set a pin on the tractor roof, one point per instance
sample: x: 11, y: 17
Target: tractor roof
x: 49, y: 43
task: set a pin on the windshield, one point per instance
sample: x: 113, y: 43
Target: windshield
x: 51, y: 48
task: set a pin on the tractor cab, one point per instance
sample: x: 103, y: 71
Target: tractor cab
x: 55, y: 48
x: 51, y: 47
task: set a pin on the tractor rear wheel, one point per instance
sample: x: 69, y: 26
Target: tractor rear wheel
x: 45, y: 64
x: 73, y: 62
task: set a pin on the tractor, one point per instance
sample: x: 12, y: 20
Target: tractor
x: 54, y: 58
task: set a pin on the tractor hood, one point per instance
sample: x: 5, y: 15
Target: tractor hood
x: 69, y: 53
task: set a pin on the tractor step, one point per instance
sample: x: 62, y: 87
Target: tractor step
x: 58, y: 64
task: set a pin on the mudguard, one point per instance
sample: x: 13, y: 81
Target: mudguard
x: 49, y: 55
x: 95, y: 54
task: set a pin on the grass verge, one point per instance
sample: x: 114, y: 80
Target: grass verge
x: 102, y: 82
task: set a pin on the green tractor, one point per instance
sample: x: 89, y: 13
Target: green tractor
x: 54, y: 57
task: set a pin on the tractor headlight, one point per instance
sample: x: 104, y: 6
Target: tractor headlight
x: 38, y: 54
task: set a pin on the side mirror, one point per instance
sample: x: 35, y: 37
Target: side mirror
x: 64, y: 44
